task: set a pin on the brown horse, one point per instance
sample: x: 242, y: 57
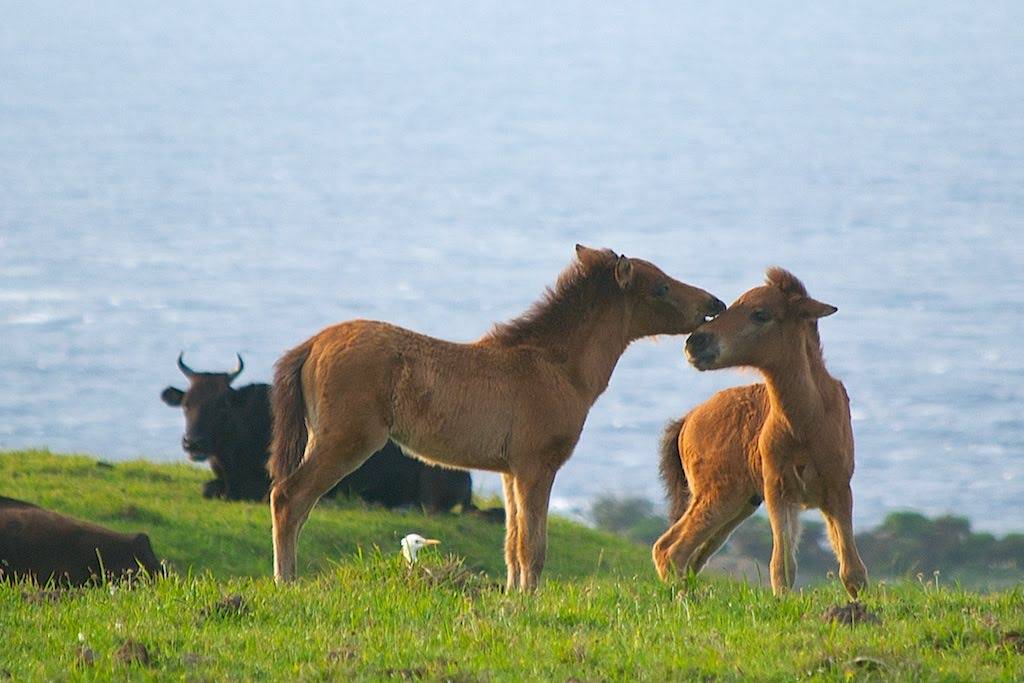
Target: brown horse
x: 513, y: 402
x: 788, y: 441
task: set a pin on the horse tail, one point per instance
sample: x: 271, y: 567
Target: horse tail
x: 672, y: 474
x: 289, y: 441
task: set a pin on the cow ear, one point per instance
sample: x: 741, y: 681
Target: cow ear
x: 172, y: 396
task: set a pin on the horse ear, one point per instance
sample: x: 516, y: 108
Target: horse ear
x: 584, y: 254
x: 811, y: 309
x: 624, y: 272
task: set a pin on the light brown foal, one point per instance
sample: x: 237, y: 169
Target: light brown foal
x: 513, y: 402
x: 788, y: 441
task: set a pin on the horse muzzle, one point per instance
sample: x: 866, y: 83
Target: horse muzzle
x: 702, y: 350
x: 715, y: 307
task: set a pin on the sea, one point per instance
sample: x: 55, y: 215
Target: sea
x: 225, y: 177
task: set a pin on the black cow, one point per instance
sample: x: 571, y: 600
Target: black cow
x: 43, y: 545
x: 231, y: 429
x: 228, y: 427
x: 393, y: 479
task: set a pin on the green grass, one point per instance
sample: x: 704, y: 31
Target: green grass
x: 233, y: 539
x: 360, y: 614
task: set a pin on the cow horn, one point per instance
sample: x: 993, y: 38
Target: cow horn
x: 185, y: 370
x: 238, y: 370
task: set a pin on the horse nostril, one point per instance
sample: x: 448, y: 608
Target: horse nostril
x: 698, y: 342
x: 718, y: 306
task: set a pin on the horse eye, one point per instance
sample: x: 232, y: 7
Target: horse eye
x: 761, y: 316
x: 661, y: 291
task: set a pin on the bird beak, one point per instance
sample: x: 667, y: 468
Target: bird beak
x: 431, y: 541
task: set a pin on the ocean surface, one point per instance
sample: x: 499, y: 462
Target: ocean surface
x: 223, y: 177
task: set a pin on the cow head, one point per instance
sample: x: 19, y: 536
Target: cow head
x: 206, y: 403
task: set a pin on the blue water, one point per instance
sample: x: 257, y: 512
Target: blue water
x: 218, y: 177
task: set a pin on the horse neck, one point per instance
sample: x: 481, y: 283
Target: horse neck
x: 796, y: 389
x: 585, y: 340
x: 594, y: 349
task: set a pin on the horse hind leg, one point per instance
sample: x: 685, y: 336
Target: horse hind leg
x: 677, y: 549
x: 327, y: 460
x: 716, y: 541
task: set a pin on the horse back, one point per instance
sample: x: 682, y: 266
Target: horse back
x: 719, y: 440
x: 462, y: 405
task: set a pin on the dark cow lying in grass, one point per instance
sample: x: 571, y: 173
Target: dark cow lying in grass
x: 393, y: 479
x: 230, y: 428
x: 42, y: 545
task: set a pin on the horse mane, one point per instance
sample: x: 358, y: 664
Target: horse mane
x: 579, y: 287
x: 792, y: 287
x: 783, y: 279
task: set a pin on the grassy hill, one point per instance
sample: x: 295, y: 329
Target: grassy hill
x: 233, y: 539
x: 360, y: 614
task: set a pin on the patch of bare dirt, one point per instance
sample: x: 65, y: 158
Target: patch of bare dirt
x: 852, y: 613
x: 228, y: 606
x: 132, y: 652
x: 1013, y: 640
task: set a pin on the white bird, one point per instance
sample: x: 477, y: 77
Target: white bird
x: 412, y: 544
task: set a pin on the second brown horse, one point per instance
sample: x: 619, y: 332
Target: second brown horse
x: 788, y: 440
x: 513, y: 402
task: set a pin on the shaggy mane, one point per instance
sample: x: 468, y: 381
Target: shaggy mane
x: 792, y: 287
x: 783, y: 279
x: 573, y: 295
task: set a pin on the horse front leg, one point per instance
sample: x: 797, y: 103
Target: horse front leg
x: 533, y: 493
x: 838, y: 513
x: 511, y: 533
x: 784, y: 520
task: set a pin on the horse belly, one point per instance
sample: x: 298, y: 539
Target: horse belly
x: 454, y: 430
x: 453, y: 450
